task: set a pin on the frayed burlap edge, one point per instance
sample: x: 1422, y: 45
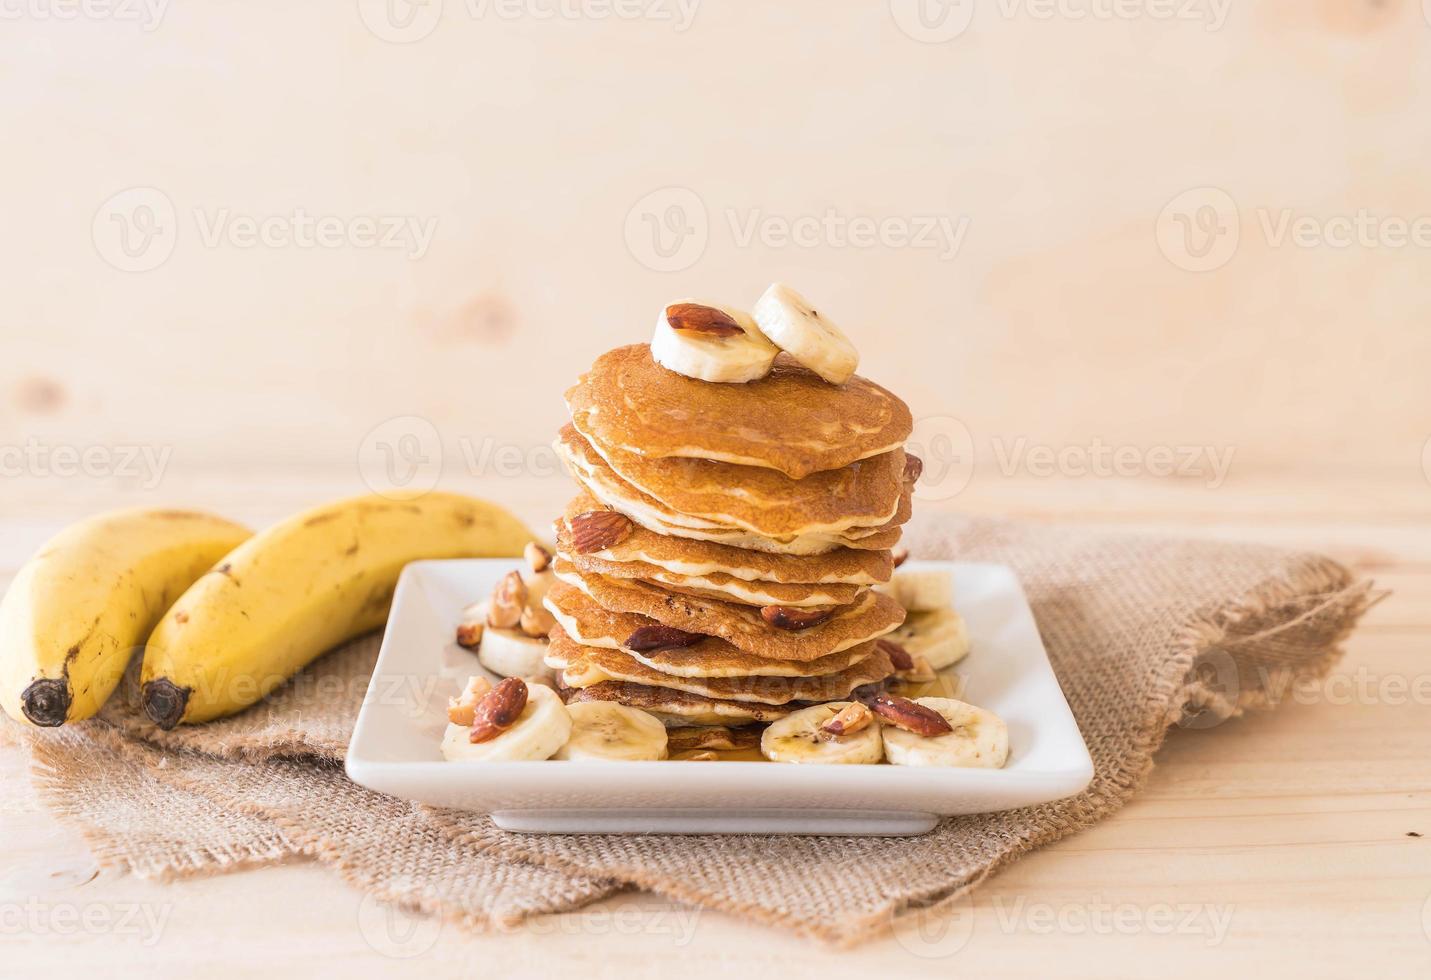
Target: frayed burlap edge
x: 52, y: 784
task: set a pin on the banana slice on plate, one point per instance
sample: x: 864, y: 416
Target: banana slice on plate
x: 804, y: 737
x: 797, y: 328
x: 979, y: 739
x: 711, y: 343
x: 512, y: 653
x: 539, y: 731
x: 923, y: 591
x: 939, y: 636
x: 605, y: 730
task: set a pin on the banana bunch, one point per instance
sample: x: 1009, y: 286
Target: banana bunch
x: 77, y: 610
x: 300, y: 588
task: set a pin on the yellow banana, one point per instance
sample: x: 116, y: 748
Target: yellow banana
x: 77, y: 610
x: 300, y: 588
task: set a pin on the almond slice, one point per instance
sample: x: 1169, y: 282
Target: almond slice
x: 852, y: 718
x: 498, y: 710
x: 909, y: 715
x: 658, y: 636
x: 792, y: 618
x: 706, y: 320
x: 598, y: 530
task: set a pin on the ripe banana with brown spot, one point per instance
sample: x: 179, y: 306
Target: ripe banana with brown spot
x: 300, y: 588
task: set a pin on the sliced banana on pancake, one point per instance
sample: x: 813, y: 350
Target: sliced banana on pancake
x: 539, y: 731
x: 939, y: 636
x: 921, y: 590
x: 711, y: 343
x: 605, y: 731
x: 804, y: 737
x: 800, y: 330
x: 511, y: 653
x: 979, y: 739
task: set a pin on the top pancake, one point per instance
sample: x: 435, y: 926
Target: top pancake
x: 791, y: 420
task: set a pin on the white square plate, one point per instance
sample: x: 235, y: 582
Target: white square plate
x: 394, y: 748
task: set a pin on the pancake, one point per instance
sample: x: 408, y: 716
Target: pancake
x: 583, y: 666
x: 871, y: 616
x: 600, y: 481
x: 687, y: 556
x: 716, y: 585
x: 679, y: 708
x: 589, y: 624
x: 791, y: 420
x: 763, y: 501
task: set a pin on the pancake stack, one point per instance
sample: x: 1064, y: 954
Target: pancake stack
x: 717, y: 566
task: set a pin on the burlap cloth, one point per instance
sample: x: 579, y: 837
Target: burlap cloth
x: 1143, y: 633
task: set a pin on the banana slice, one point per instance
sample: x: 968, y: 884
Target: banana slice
x: 920, y: 591
x: 789, y: 320
x: 511, y: 653
x: 711, y: 343
x: 539, y: 731
x: 798, y: 738
x: 980, y: 739
x: 602, y: 730
x: 939, y: 636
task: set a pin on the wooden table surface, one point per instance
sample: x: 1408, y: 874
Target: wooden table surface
x: 1289, y: 843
